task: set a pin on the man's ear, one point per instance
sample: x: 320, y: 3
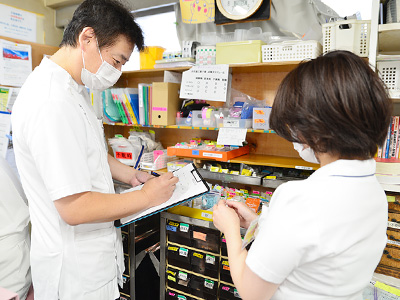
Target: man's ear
x: 86, y: 38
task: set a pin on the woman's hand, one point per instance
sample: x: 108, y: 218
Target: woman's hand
x: 246, y: 215
x: 225, y: 218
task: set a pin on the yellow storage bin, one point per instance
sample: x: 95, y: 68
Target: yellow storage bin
x: 149, y: 56
x: 239, y: 52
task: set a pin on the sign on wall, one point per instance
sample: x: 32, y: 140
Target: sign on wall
x: 17, y: 23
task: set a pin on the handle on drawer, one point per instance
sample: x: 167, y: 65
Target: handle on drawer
x: 389, y: 256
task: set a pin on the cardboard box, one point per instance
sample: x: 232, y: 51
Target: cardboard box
x: 239, y: 52
x: 165, y: 103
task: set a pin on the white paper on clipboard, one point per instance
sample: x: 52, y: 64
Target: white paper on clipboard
x: 190, y: 185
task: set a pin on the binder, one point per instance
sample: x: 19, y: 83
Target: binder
x: 191, y: 185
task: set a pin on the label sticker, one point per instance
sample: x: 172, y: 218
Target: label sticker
x: 208, y: 283
x: 199, y: 235
x: 123, y: 155
x: 182, y: 275
x: 207, y: 154
x: 207, y: 215
x: 195, y: 152
x: 184, y: 227
x: 210, y: 259
x: 231, y: 123
x: 183, y: 252
x: 171, y: 228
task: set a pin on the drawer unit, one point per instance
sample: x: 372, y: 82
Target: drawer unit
x: 206, y: 239
x: 225, y: 270
x: 179, y: 257
x: 228, y: 292
x: 204, y: 288
x: 205, y: 264
x: 179, y: 232
x: 179, y: 280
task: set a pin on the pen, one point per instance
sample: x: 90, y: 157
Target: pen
x: 154, y: 174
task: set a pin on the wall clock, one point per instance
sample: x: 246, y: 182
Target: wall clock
x: 238, y: 9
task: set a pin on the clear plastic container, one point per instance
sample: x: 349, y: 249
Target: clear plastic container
x: 199, y: 121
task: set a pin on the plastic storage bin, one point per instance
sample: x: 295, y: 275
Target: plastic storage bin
x: 204, y: 263
x: 199, y: 121
x: 228, y: 292
x: 203, y: 287
x: 351, y: 35
x: 149, y: 56
x: 179, y: 280
x: 179, y: 257
x: 291, y: 51
x: 225, y: 271
x: 179, y: 232
x: 205, y: 239
x: 234, y: 123
x: 389, y: 72
x: 239, y: 52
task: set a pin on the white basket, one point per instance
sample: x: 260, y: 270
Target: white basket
x: 350, y: 35
x: 393, y: 11
x: 291, y: 51
x: 147, y: 161
x: 389, y: 72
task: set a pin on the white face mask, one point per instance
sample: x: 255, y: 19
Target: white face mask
x: 105, y: 77
x: 306, y: 153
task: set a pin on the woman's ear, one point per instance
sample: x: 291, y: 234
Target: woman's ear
x: 86, y: 38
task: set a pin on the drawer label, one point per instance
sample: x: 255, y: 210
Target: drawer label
x: 171, y: 228
x: 171, y: 278
x: 206, y: 215
x: 182, y: 275
x: 231, y: 123
x: 396, y: 243
x: 195, y: 152
x: 210, y: 259
x: 208, y: 154
x: 199, y: 236
x: 183, y: 252
x: 184, y: 227
x: 208, y: 283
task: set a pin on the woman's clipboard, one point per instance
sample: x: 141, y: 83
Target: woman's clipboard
x: 191, y: 185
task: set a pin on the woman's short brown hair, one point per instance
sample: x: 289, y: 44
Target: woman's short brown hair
x: 335, y: 104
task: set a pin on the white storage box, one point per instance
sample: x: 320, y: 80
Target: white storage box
x: 350, y: 35
x: 155, y: 160
x: 291, y: 51
x: 389, y: 72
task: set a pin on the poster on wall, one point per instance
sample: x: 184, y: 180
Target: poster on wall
x: 197, y: 11
x: 15, y: 63
x: 18, y: 24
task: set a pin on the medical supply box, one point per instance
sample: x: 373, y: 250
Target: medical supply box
x: 165, y: 103
x: 239, y: 52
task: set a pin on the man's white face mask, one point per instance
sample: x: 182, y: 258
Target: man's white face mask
x: 306, y: 153
x: 105, y: 77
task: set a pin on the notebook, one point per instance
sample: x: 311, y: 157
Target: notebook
x: 190, y: 185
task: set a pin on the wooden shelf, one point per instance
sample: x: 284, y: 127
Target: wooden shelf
x: 184, y: 127
x: 282, y: 66
x: 274, y: 161
x: 389, y: 38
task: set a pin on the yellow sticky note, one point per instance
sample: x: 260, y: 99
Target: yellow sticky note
x: 390, y: 198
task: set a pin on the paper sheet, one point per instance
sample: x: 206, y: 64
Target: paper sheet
x: 5, y: 127
x: 15, y: 63
x: 231, y: 136
x: 190, y: 185
x: 206, y: 83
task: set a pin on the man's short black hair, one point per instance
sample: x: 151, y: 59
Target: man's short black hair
x: 335, y: 104
x: 108, y: 18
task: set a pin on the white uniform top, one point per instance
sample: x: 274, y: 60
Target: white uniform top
x: 322, y: 238
x: 14, y: 233
x: 60, y: 151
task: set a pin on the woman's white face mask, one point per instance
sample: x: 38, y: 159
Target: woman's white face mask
x: 105, y: 77
x: 306, y: 154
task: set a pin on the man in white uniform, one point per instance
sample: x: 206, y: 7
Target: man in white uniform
x: 15, y: 272
x: 66, y: 173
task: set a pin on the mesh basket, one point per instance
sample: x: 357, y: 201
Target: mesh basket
x: 389, y: 72
x: 350, y: 35
x: 147, y: 162
x: 291, y: 51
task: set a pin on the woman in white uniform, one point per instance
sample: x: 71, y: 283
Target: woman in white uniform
x: 61, y: 155
x: 320, y: 238
x: 15, y: 271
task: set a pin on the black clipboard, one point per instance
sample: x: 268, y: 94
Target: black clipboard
x: 191, y: 185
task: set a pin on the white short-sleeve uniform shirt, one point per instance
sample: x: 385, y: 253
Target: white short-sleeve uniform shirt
x: 322, y: 238
x: 60, y: 151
